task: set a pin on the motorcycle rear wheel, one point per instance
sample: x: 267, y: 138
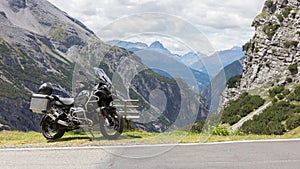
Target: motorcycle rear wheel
x: 51, y: 130
x: 113, y: 131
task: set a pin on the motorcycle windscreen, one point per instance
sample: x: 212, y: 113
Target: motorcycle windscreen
x: 102, y: 76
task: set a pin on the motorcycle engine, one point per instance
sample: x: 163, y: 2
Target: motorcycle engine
x: 55, y: 111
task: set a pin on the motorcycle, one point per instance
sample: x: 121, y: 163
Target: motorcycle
x: 91, y: 107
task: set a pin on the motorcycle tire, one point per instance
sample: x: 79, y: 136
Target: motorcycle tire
x: 112, y: 132
x: 51, y: 130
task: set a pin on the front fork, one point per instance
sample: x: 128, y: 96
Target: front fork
x: 106, y: 116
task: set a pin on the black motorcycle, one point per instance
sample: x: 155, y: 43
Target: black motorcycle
x: 91, y: 107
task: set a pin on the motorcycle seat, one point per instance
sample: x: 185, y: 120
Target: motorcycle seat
x: 67, y: 101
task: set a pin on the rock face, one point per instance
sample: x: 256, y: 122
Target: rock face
x: 274, y: 47
x: 34, y: 38
x: 273, y: 54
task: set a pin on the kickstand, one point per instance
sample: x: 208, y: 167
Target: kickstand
x: 93, y: 136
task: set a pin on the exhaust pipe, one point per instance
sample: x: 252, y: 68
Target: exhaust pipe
x: 63, y: 123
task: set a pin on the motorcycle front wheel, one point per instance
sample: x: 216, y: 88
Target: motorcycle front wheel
x: 113, y: 129
x: 50, y: 129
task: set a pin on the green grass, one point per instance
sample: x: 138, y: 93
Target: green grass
x: 10, y: 139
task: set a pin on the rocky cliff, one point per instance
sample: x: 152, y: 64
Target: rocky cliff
x: 273, y: 54
x: 34, y: 38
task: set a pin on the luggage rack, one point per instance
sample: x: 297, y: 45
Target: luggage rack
x: 128, y: 108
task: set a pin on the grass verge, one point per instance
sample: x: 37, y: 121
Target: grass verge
x: 11, y: 139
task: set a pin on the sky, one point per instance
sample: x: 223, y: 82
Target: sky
x: 181, y: 25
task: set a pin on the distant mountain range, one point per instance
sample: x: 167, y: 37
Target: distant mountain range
x: 197, y: 69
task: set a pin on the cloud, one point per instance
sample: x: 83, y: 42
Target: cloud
x: 161, y: 26
x: 224, y: 23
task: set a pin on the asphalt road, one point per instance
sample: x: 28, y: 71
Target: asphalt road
x: 232, y: 155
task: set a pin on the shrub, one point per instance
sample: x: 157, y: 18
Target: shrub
x: 238, y: 132
x: 264, y: 14
x: 296, y: 94
x: 220, y: 131
x: 197, y: 127
x: 293, y: 68
x: 275, y: 127
x: 248, y: 46
x: 297, y: 90
x: 270, y: 28
x: 289, y: 44
x: 289, y: 80
x: 269, y: 3
x: 275, y: 91
x: 279, y: 17
x: 293, y: 121
x: 274, y: 100
x: 234, y: 81
x: 285, y: 92
x: 280, y: 96
x: 271, y: 120
x: 286, y: 11
x: 291, y: 97
x: 241, y: 107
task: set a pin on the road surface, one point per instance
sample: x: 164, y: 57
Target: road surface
x: 231, y: 155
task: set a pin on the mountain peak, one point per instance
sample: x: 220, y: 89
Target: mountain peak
x: 157, y: 44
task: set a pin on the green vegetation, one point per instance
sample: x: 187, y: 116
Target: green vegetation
x: 289, y: 80
x: 294, y: 95
x: 275, y: 91
x: 280, y: 117
x: 276, y: 119
x: 293, y: 121
x: 269, y: 3
x: 248, y: 46
x: 220, y: 131
x: 279, y: 17
x: 57, y: 33
x: 149, y: 74
x: 5, y: 48
x: 10, y: 91
x: 234, y: 81
x: 293, y: 68
x: 197, y: 127
x: 20, y: 69
x: 241, y: 107
x: 289, y: 44
x: 270, y: 28
x: 264, y: 14
x: 286, y: 11
x: 77, y: 138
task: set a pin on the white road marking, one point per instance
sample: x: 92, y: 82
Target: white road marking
x: 145, y: 145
